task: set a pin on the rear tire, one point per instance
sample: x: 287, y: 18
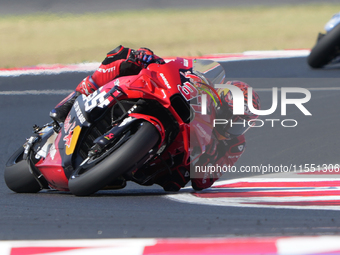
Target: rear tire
x: 127, y: 156
x: 325, y: 49
x: 18, y: 176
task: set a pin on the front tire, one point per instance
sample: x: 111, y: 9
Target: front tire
x: 127, y: 156
x: 326, y: 49
x: 18, y: 176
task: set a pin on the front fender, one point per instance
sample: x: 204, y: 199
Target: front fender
x: 154, y: 121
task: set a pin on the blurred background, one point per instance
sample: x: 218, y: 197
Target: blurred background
x: 48, y: 32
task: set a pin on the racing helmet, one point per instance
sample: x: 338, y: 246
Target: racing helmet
x: 236, y: 124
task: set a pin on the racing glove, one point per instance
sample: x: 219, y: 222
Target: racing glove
x: 145, y: 56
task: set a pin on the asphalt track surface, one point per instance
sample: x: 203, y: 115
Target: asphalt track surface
x: 138, y: 211
x: 145, y: 211
x: 17, y: 7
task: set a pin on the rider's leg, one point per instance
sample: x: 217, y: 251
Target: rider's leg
x: 86, y: 87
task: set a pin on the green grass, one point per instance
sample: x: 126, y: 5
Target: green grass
x: 49, y: 39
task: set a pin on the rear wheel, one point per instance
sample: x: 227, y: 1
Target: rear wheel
x: 18, y: 176
x: 133, y: 149
x: 326, y: 49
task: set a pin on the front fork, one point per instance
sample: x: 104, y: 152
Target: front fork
x: 37, y: 147
x: 116, y: 132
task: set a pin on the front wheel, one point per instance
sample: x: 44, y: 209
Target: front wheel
x: 326, y: 49
x: 128, y: 155
x: 18, y: 176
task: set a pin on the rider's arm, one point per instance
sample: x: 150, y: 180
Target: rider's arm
x: 120, y: 61
x: 111, y: 68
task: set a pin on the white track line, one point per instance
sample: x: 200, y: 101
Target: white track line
x: 35, y: 92
x: 88, y: 67
x: 66, y: 91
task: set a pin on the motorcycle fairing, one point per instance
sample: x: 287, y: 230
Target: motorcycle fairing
x: 156, y: 84
x: 51, y: 167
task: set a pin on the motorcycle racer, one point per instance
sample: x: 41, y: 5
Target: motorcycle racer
x: 227, y: 144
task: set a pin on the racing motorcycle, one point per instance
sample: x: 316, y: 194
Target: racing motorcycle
x: 135, y: 128
x: 327, y: 49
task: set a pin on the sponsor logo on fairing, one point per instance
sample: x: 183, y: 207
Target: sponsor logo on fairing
x: 109, y: 136
x: 187, y: 88
x: 79, y: 113
x: 185, y: 62
x: 68, y: 138
x: 68, y: 128
x: 68, y: 124
x: 165, y: 81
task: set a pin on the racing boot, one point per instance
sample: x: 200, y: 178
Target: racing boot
x: 60, y: 112
x: 86, y: 87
